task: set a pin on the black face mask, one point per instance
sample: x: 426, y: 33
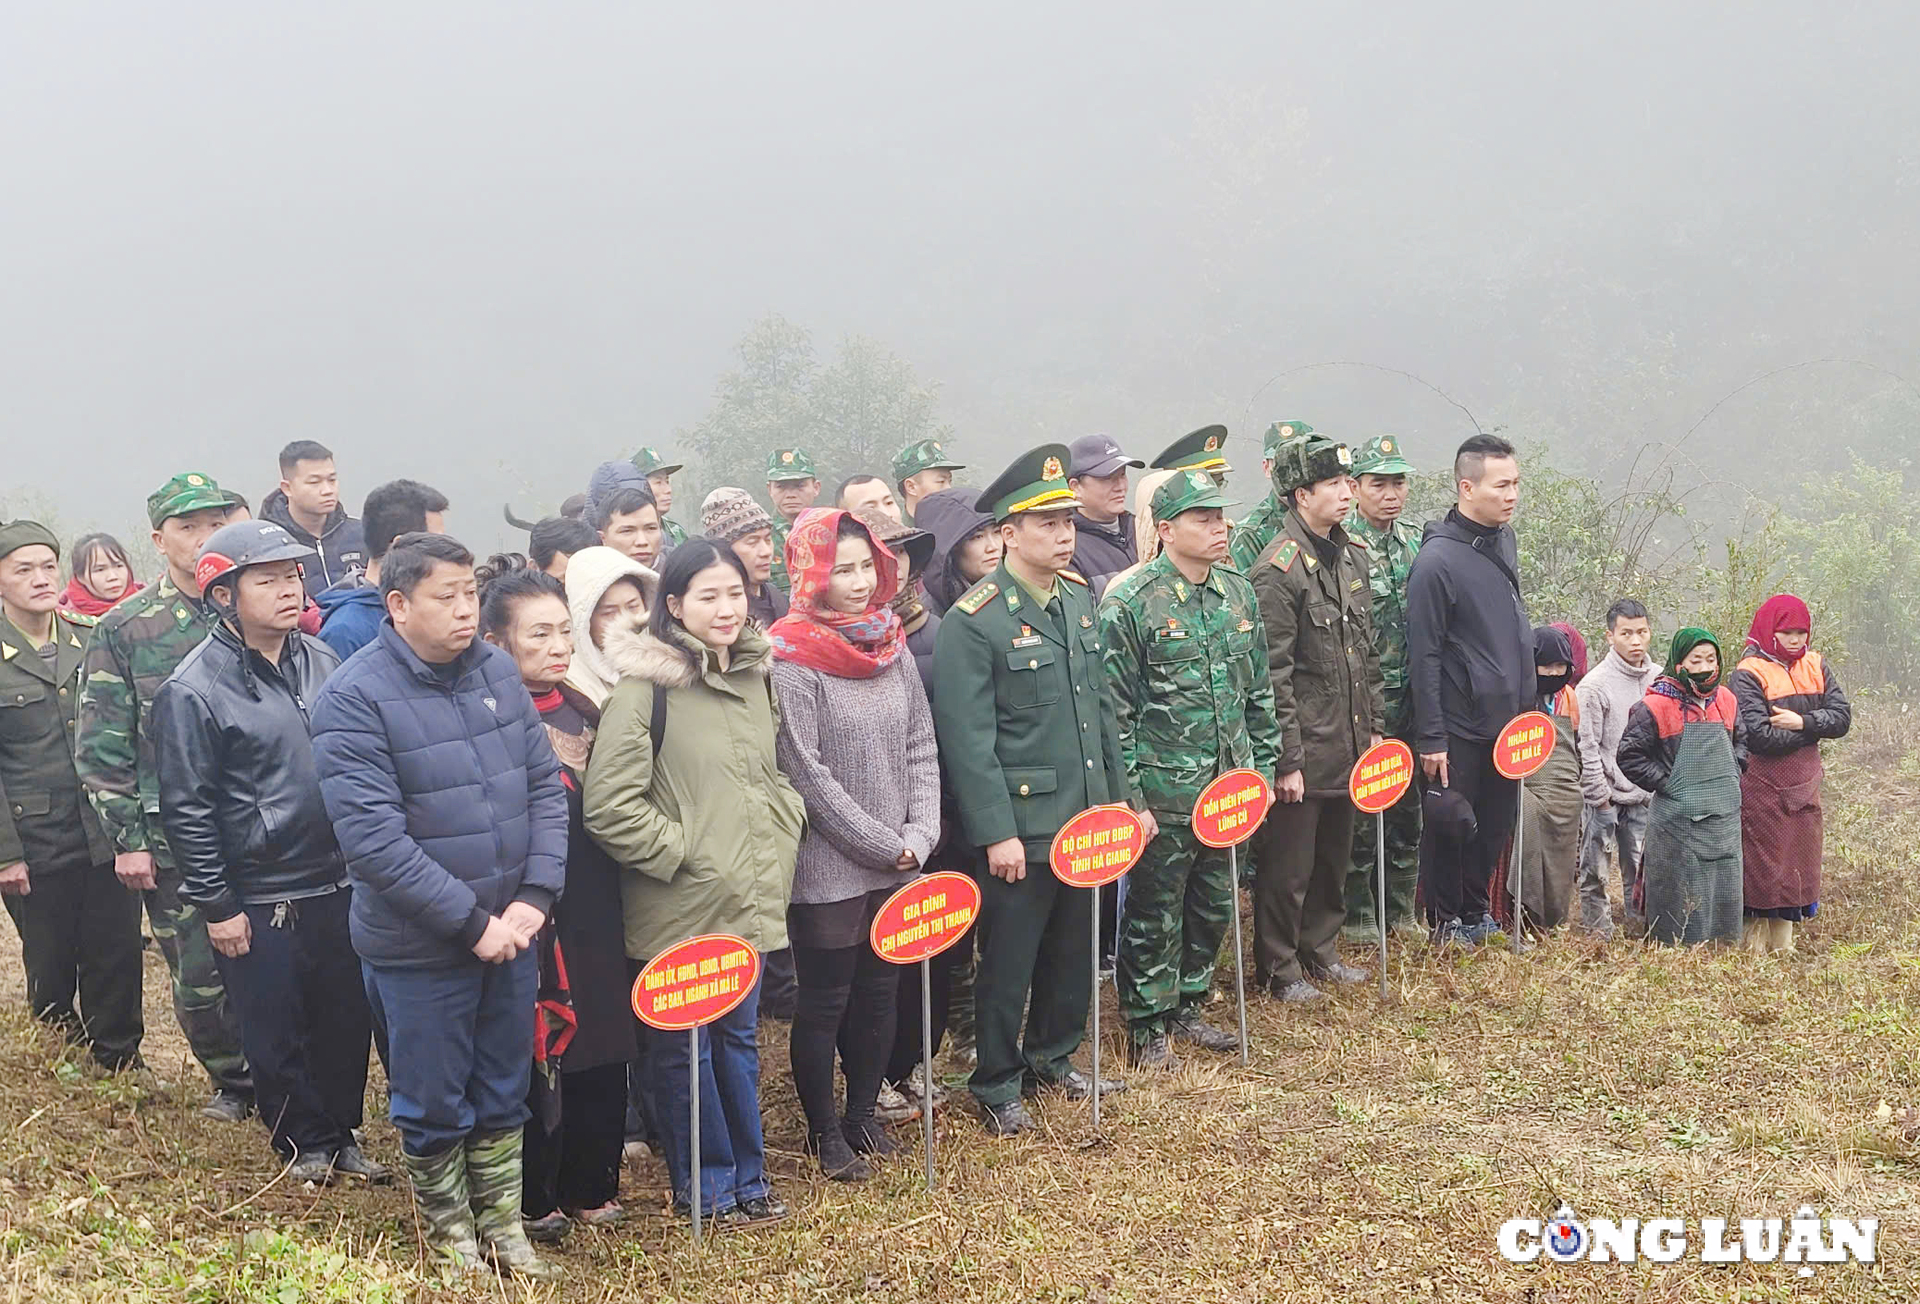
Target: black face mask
x: 1548, y: 685
x: 1702, y: 680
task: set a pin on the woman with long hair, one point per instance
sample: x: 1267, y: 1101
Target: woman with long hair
x: 102, y: 575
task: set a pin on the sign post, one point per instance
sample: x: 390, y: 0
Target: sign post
x: 1520, y: 750
x: 686, y: 986
x: 917, y: 923
x: 1380, y: 778
x: 1225, y: 814
x: 1091, y: 850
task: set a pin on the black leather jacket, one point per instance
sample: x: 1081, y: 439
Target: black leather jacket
x: 239, y: 795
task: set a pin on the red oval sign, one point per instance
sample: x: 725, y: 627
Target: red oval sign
x: 1524, y: 745
x: 1381, y: 776
x: 695, y: 982
x: 1097, y: 846
x: 925, y: 917
x: 1230, y: 808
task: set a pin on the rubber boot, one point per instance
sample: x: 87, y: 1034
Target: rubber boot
x: 1783, y: 934
x: 493, y: 1189
x: 1756, y: 934
x: 440, y: 1194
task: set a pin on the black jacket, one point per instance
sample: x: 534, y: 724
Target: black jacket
x: 239, y: 794
x: 951, y: 517
x: 1103, y: 551
x: 1469, y: 642
x: 342, y: 545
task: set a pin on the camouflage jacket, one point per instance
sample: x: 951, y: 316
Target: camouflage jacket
x: 1187, y: 667
x: 135, y: 647
x: 675, y: 534
x: 1389, y: 561
x: 781, y: 528
x: 1251, y: 536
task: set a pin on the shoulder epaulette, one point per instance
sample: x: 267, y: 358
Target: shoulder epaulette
x: 1283, y: 555
x: 1358, y: 542
x: 976, y: 597
x: 79, y: 618
x: 1077, y: 579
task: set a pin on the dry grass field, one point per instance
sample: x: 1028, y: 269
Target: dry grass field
x: 1370, y: 1153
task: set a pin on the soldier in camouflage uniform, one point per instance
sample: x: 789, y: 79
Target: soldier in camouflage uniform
x: 659, y: 473
x: 1187, y: 664
x: 1256, y: 530
x: 134, y: 648
x: 792, y: 486
x: 1380, y: 495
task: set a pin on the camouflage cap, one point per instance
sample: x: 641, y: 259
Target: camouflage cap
x: 15, y: 535
x: 649, y: 462
x: 1184, y: 491
x: 1197, y: 450
x: 1281, y: 432
x: 790, y: 464
x: 1381, y: 456
x: 1309, y: 461
x: 187, y: 492
x: 923, y: 455
x: 1036, y: 482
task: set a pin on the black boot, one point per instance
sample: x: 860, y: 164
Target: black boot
x: 837, y: 1159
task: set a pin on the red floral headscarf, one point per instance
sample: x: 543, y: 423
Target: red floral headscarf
x: 1781, y: 611
x: 812, y: 633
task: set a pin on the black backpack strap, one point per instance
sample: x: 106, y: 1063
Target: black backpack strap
x: 657, y: 722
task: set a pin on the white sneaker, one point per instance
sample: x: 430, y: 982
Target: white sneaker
x: 912, y: 1089
x: 892, y: 1107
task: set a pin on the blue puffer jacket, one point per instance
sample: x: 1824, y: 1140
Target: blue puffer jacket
x: 352, y: 616
x: 445, y: 795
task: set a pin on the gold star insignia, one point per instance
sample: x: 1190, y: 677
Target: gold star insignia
x: 1052, y: 470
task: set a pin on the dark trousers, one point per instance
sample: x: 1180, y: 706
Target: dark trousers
x: 779, y: 984
x: 1299, y: 888
x: 577, y: 1164
x: 1454, y: 879
x: 1035, y: 939
x: 733, y: 1152
x: 906, y: 1025
x: 846, y: 1002
x: 459, y: 1045
x: 303, y: 1021
x: 80, y: 936
x: 199, y: 997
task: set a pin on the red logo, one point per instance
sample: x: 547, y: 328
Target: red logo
x: 1097, y: 846
x: 925, y: 917
x: 210, y: 565
x: 695, y: 982
x: 1230, y: 808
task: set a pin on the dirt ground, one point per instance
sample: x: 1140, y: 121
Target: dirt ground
x: 1370, y: 1152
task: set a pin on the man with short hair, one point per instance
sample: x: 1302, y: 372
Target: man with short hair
x: 1380, y: 477
x: 1312, y: 585
x: 731, y: 516
x: 659, y: 473
x: 629, y: 522
x: 79, y: 928
x: 352, y: 610
x: 868, y: 493
x: 1617, y: 809
x: 447, y: 801
x: 1028, y: 739
x: 1186, y: 658
x: 134, y: 648
x: 1256, y: 530
x: 1197, y: 450
x: 241, y: 805
x: 921, y: 468
x: 792, y: 486
x: 307, y: 504
x: 1469, y: 672
x: 1104, y: 528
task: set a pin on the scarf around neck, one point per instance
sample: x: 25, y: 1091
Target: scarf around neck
x: 78, y: 597
x: 851, y: 646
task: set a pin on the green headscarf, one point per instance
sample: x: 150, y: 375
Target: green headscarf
x: 1684, y: 642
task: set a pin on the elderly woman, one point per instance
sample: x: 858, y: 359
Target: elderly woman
x: 1789, y: 700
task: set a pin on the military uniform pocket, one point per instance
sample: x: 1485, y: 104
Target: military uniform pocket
x: 21, y: 719
x: 1031, y: 679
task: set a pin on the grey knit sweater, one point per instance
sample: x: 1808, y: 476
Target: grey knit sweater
x: 861, y: 753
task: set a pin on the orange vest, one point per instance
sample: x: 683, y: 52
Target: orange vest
x: 1806, y: 677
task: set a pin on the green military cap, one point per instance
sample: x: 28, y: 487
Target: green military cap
x: 1309, y: 461
x: 1185, y: 491
x: 187, y: 492
x: 923, y: 455
x: 649, y: 462
x: 15, y: 535
x: 1381, y: 456
x: 1036, y: 482
x: 1281, y: 432
x: 790, y: 464
x: 1198, y: 451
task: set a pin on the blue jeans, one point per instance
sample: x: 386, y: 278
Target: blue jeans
x: 733, y: 1154
x: 460, y: 1047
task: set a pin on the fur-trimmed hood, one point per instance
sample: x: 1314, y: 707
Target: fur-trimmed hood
x: 590, y: 573
x: 638, y: 654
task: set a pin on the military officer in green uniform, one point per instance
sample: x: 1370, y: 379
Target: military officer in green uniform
x: 1312, y: 585
x: 921, y: 468
x: 1028, y: 739
x: 792, y: 486
x: 134, y: 648
x: 1380, y: 473
x: 79, y: 928
x: 1198, y: 450
x: 1187, y: 664
x: 1256, y: 530
x: 659, y: 473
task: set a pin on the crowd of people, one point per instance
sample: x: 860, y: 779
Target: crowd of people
x: 378, y: 796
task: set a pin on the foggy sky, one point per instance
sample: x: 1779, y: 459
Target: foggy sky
x: 488, y: 245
